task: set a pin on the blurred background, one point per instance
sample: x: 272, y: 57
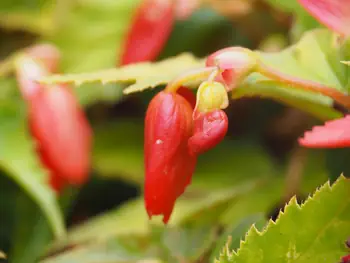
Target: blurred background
x: 246, y: 179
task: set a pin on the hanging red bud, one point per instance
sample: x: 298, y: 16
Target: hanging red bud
x: 168, y: 164
x: 58, y: 124
x: 334, y: 134
x: 210, y: 129
x: 236, y: 63
x: 335, y: 14
x: 149, y: 32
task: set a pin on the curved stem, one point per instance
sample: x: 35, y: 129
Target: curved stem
x: 196, y: 74
x: 303, y: 84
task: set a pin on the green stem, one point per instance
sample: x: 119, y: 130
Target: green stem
x: 193, y: 75
x: 303, y: 84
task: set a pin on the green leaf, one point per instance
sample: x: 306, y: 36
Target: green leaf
x: 188, y: 243
x: 130, y: 248
x: 90, y: 33
x: 131, y: 218
x: 312, y: 232
x: 139, y: 76
x: 316, y: 58
x: 302, y: 22
x: 35, y: 16
x: 19, y: 161
x: 30, y: 237
x: 316, y: 104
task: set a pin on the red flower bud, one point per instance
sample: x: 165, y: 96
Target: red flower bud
x: 168, y: 164
x: 334, y: 134
x: 58, y: 124
x: 235, y: 63
x: 149, y: 32
x: 210, y: 129
x: 335, y: 14
x: 62, y: 132
x: 345, y: 259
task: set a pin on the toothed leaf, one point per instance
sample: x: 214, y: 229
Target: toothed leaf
x: 312, y: 232
x: 138, y: 76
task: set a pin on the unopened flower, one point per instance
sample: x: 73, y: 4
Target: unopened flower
x: 150, y: 29
x: 334, y: 134
x: 174, y: 137
x: 62, y: 132
x: 235, y: 64
x: 168, y: 163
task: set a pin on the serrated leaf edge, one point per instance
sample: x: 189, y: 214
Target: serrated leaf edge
x: 226, y: 255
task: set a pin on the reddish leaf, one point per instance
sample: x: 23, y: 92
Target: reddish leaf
x: 334, y: 134
x: 150, y: 29
x: 334, y: 14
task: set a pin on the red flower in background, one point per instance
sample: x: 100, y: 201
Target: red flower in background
x: 149, y: 31
x: 334, y: 14
x: 334, y: 134
x: 57, y: 122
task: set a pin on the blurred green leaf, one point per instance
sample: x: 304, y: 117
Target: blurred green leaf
x: 270, y: 194
x: 303, y: 21
x: 325, y: 221
x: 19, y: 161
x: 188, y: 243
x: 30, y: 236
x: 338, y: 162
x: 131, y: 218
x: 124, y: 249
x: 91, y: 32
x: 35, y: 16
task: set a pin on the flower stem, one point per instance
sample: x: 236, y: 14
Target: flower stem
x: 303, y: 84
x: 193, y: 75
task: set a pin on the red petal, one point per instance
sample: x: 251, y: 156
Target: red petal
x: 209, y: 129
x: 168, y: 164
x: 334, y: 134
x: 57, y: 183
x: 188, y: 95
x: 334, y: 14
x: 149, y: 31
